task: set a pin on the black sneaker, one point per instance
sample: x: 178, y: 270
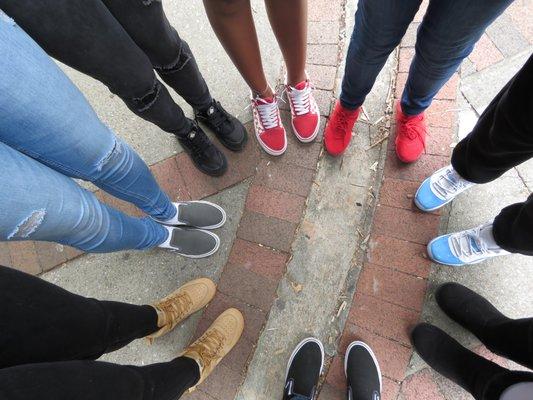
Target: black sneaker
x: 304, y: 370
x: 191, y: 243
x: 203, y: 152
x: 229, y: 130
x: 362, y: 372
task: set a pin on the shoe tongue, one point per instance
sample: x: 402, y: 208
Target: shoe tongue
x: 301, y: 85
x: 266, y: 100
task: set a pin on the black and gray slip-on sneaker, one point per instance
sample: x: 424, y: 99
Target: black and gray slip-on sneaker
x: 199, y: 214
x: 191, y: 242
x: 304, y: 370
x: 362, y: 372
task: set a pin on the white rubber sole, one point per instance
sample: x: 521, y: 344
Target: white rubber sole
x: 367, y: 348
x: 297, y: 349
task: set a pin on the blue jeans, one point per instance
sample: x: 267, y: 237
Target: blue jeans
x: 447, y: 35
x: 50, y: 134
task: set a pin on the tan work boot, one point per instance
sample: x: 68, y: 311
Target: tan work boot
x: 182, y: 303
x: 216, y: 342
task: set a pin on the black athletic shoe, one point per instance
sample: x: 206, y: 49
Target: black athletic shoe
x: 229, y: 130
x: 304, y: 370
x: 203, y: 152
x: 362, y: 371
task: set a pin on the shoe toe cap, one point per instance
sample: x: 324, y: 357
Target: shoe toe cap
x: 305, y: 126
x: 439, y: 250
x: 425, y: 199
x: 274, y: 139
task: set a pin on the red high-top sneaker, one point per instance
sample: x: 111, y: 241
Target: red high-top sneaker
x: 304, y: 111
x: 338, y: 132
x: 410, y: 135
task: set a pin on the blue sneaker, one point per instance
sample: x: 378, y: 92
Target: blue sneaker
x: 440, y: 188
x: 466, y: 247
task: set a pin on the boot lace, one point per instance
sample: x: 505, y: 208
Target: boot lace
x: 175, y: 308
x: 217, y: 115
x: 268, y: 113
x: 412, y: 129
x: 343, y: 122
x: 198, y: 141
x: 208, y: 347
x: 301, y: 100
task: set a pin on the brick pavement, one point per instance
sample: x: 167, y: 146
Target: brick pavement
x: 381, y: 314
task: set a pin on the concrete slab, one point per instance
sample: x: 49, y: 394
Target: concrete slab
x: 506, y: 37
x: 144, y: 277
x: 525, y: 171
x: 475, y: 88
x: 225, y: 83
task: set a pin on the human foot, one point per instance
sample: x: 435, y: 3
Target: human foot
x: 338, y: 132
x: 411, y: 134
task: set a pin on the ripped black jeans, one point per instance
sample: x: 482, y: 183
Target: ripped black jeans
x: 49, y: 337
x: 120, y: 43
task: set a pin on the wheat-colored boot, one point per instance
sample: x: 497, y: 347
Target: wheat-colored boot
x: 216, y: 342
x: 182, y: 303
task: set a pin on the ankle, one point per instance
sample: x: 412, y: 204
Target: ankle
x: 293, y: 80
x: 268, y: 92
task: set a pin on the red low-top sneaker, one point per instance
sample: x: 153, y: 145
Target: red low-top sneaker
x: 269, y: 129
x: 304, y: 111
x: 410, y: 135
x: 338, y: 132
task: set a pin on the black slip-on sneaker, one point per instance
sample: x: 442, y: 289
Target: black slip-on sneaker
x: 228, y: 129
x: 362, y: 372
x: 199, y: 214
x: 191, y: 242
x: 304, y: 370
x: 204, y: 154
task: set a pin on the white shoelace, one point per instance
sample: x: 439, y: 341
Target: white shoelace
x: 469, y: 245
x: 268, y: 113
x: 301, y: 99
x: 449, y: 184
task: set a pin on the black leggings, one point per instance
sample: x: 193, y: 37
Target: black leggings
x: 501, y: 140
x: 120, y: 43
x: 49, y: 337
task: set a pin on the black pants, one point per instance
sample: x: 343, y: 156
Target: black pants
x: 49, y: 337
x: 120, y: 43
x: 501, y: 140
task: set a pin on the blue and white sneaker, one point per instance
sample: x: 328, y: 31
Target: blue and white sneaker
x: 466, y: 247
x: 440, y: 188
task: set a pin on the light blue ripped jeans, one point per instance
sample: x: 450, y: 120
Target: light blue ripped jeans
x: 50, y: 134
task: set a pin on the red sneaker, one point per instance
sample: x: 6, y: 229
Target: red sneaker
x: 338, y: 132
x: 410, y: 135
x: 269, y: 129
x: 304, y: 111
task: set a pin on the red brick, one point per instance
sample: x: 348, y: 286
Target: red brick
x: 71, y: 252
x: 399, y: 254
x: 169, y: 178
x: 398, y: 193
x: 198, y: 184
x: 393, y: 358
x: 324, y: 10
x: 223, y: 383
x: 285, y: 177
x: 24, y: 257
x: 5, y: 256
x: 442, y: 113
x: 392, y: 286
x: 421, y: 11
x: 382, y: 318
x: 237, y: 359
x: 409, y: 40
x: 417, y: 171
x: 273, y: 203
x: 336, y: 376
x: 401, y: 79
x: 323, y: 54
x: 259, y: 259
x: 487, y: 354
x: 449, y: 90
x: 254, y: 319
x: 413, y: 226
x: 520, y: 13
x: 50, y: 255
x: 324, y: 99
x: 390, y: 389
x: 268, y: 231
x: 485, y: 53
x: 328, y: 392
x: 323, y: 76
x: 323, y: 32
x: 248, y: 286
x: 405, y: 57
x: 420, y: 386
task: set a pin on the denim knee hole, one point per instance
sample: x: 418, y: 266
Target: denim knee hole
x: 28, y: 225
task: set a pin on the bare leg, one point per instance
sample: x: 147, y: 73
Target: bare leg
x: 233, y: 24
x: 289, y: 23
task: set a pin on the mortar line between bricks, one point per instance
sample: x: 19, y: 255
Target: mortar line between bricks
x: 398, y: 270
x: 391, y: 302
